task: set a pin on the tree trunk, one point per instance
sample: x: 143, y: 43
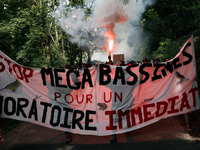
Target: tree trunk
x: 89, y: 57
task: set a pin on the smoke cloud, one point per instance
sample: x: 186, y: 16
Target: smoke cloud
x: 110, y: 19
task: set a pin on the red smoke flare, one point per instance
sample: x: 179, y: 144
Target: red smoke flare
x: 110, y: 35
x: 111, y: 42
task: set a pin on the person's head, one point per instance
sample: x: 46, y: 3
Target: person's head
x: 157, y: 61
x: 145, y: 60
x: 132, y: 62
x: 75, y: 65
x: 122, y: 63
x: 88, y: 65
x: 74, y: 68
x: 67, y: 67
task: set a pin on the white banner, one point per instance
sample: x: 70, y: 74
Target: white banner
x: 100, y: 100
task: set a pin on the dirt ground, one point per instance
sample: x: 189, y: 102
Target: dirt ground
x: 195, y: 123
x: 168, y: 133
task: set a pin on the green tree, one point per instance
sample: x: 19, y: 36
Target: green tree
x: 27, y: 35
x: 170, y: 24
x: 12, y: 28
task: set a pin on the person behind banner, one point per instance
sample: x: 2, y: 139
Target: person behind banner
x: 114, y: 136
x: 74, y: 79
x: 69, y: 136
x: 145, y: 60
x: 187, y: 121
x: 2, y: 126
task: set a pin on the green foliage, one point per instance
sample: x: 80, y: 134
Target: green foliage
x: 76, y: 2
x: 30, y: 36
x: 170, y: 24
x: 167, y: 49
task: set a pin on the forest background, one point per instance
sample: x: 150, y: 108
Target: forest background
x: 31, y: 36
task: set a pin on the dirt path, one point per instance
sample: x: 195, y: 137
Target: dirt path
x: 164, y: 133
